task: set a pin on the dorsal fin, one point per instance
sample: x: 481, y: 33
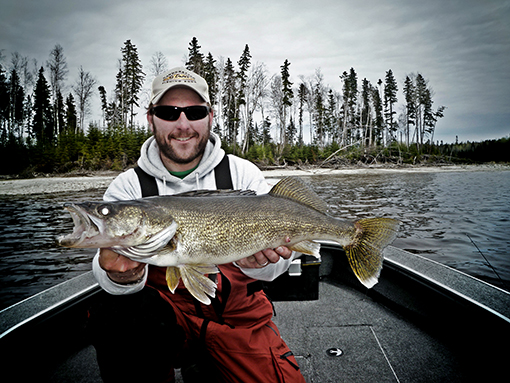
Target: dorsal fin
x: 296, y: 190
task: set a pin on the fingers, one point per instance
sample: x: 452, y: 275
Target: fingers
x: 120, y: 269
x: 265, y: 257
x: 252, y: 262
x: 284, y: 252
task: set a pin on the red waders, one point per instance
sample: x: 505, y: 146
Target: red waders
x: 236, y: 329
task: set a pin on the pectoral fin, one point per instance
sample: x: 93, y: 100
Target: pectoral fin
x: 194, y: 280
x: 153, y: 246
x: 307, y: 247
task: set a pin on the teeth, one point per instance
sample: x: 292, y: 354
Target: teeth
x: 183, y: 138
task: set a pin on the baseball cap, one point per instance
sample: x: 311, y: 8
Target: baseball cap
x: 178, y: 77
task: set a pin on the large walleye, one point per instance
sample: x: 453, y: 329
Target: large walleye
x: 191, y: 233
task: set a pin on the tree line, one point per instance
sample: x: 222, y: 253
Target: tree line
x: 259, y: 115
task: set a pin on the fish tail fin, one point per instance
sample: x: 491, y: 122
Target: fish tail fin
x: 365, y: 251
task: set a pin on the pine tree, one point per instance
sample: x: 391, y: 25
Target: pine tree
x: 16, y: 105
x: 60, y: 114
x: 43, y: 118
x: 71, y: 119
x: 287, y: 92
x: 266, y: 132
x: 378, y: 111
x: 365, y: 113
x: 104, y: 104
x: 439, y: 113
x: 421, y: 89
x: 132, y: 80
x: 390, y: 98
x: 230, y: 111
x: 244, y: 64
x: 245, y: 121
x: 195, y: 61
x: 211, y: 77
x: 290, y: 132
x: 429, y: 119
x: 302, y: 97
x: 410, y: 107
x: 350, y: 96
x: 319, y: 113
x: 4, y: 105
x: 420, y: 101
x: 251, y: 135
x: 330, y: 117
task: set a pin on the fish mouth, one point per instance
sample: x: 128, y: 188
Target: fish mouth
x: 86, y: 227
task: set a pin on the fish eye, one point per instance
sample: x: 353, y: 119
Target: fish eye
x: 103, y: 210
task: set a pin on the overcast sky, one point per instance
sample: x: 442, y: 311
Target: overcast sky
x: 461, y: 46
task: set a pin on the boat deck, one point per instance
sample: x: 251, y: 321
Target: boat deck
x: 420, y: 326
x: 377, y: 344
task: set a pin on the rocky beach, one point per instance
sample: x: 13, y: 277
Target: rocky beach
x: 95, y: 180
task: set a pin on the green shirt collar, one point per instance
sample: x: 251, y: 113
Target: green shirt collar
x: 184, y: 173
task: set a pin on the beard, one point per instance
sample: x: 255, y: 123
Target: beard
x: 168, y: 151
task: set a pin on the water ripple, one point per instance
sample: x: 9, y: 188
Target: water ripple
x: 442, y: 215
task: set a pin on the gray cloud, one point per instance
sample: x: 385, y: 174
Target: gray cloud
x: 461, y: 47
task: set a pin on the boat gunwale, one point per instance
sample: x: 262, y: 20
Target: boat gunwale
x: 30, y: 310
x: 85, y: 286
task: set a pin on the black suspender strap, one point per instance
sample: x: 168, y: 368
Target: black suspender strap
x: 147, y: 183
x: 223, y: 175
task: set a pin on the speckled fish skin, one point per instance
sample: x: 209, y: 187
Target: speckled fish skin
x: 204, y: 229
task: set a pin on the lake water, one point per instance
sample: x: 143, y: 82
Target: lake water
x: 451, y: 217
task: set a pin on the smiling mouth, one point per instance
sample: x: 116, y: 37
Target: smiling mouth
x: 183, y: 139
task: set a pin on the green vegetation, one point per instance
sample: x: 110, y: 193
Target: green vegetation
x: 43, y: 131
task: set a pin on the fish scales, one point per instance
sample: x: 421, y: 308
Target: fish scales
x: 192, y: 233
x: 228, y: 228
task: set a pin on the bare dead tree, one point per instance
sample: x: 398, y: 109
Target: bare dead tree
x: 158, y: 64
x: 83, y: 90
x: 57, y: 66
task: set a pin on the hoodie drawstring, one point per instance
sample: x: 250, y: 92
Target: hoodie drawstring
x: 196, y: 179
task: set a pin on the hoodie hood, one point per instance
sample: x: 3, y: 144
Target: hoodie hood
x: 150, y: 162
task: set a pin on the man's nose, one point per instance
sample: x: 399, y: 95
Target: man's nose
x: 182, y: 120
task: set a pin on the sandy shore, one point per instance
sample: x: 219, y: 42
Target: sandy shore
x: 65, y: 184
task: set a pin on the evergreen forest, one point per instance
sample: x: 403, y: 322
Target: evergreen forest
x: 258, y: 115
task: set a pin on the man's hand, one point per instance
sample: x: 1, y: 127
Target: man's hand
x: 120, y: 269
x: 264, y: 257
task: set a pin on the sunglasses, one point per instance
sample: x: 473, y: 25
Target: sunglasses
x: 172, y: 113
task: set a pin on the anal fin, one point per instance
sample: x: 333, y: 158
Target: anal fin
x: 194, y: 279
x: 172, y: 278
x: 307, y: 247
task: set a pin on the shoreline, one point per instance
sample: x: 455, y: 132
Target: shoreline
x: 97, y: 180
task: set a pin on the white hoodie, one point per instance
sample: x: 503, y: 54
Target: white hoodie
x: 245, y: 176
